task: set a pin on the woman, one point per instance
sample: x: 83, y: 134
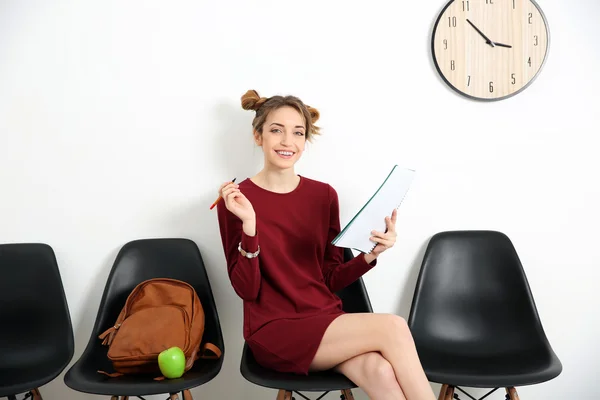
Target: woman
x: 276, y: 229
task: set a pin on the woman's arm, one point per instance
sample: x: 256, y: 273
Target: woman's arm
x: 337, y: 273
x: 244, y: 273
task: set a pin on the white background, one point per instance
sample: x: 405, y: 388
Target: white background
x: 119, y: 120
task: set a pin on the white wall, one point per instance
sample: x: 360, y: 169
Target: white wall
x: 118, y: 120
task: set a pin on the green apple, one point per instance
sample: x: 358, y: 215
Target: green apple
x: 172, y: 362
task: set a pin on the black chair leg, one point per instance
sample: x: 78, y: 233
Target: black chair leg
x: 185, y: 395
x: 447, y: 393
x: 33, y: 394
x: 347, y: 395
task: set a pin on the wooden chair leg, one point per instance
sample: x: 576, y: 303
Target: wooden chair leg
x: 443, y: 390
x: 347, y: 394
x: 36, y: 394
x: 187, y: 395
x: 512, y: 393
x: 449, y: 393
x: 284, y: 395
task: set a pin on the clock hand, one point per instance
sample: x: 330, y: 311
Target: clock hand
x: 502, y: 45
x: 487, y: 40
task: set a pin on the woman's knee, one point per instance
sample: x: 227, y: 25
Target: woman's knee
x: 397, y: 329
x: 378, y: 371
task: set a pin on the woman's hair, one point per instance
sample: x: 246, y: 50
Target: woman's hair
x: 263, y: 106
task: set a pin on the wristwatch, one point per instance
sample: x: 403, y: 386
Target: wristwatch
x: 246, y: 254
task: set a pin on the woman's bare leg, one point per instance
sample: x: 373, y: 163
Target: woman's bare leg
x: 373, y: 374
x: 351, y: 335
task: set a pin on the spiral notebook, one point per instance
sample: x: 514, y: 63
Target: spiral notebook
x: 356, y: 234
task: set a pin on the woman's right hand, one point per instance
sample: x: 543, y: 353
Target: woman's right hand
x: 236, y: 202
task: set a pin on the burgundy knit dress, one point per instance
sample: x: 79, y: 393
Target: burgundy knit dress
x: 288, y: 290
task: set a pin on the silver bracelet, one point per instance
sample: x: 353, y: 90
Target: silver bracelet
x: 246, y: 254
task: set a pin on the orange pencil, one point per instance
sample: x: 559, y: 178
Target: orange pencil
x: 219, y: 198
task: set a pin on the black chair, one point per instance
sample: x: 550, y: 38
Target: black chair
x: 36, y: 334
x: 136, y: 262
x: 355, y: 299
x: 474, y: 319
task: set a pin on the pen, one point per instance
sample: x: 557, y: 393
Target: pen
x: 219, y: 198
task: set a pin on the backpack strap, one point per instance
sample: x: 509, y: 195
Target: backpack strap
x: 112, y: 375
x: 212, y: 348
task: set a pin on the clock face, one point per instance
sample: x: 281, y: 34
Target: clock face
x: 490, y: 49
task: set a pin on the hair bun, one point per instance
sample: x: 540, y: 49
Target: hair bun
x: 314, y: 114
x: 251, y: 100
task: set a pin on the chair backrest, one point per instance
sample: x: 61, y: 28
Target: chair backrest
x: 34, y: 313
x: 144, y: 259
x: 355, y: 298
x: 472, y: 296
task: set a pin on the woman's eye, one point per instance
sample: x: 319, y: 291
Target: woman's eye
x: 300, y: 133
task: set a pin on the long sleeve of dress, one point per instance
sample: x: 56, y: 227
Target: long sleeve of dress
x: 244, y: 273
x: 337, y: 273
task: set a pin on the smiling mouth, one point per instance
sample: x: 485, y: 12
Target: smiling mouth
x: 285, y: 153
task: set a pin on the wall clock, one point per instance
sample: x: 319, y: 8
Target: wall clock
x: 490, y: 49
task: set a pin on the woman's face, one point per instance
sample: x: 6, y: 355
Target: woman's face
x: 283, y: 138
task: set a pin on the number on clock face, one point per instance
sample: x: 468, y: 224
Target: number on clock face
x: 490, y: 49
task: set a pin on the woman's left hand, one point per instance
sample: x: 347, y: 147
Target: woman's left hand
x: 385, y: 240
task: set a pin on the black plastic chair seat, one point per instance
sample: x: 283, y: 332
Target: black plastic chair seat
x: 36, y: 336
x: 324, y: 381
x: 473, y: 316
x: 502, y: 370
x: 138, y: 261
x: 26, y: 378
x: 85, y: 378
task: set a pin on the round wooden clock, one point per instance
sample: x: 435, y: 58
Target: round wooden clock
x: 490, y: 49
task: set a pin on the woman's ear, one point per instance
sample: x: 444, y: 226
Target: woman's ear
x: 257, y: 138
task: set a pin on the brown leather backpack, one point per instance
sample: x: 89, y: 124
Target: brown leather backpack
x: 159, y: 313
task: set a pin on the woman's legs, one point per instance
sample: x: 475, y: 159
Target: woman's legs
x: 351, y: 335
x: 373, y: 374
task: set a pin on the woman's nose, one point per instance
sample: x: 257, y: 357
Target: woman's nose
x: 286, y: 139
